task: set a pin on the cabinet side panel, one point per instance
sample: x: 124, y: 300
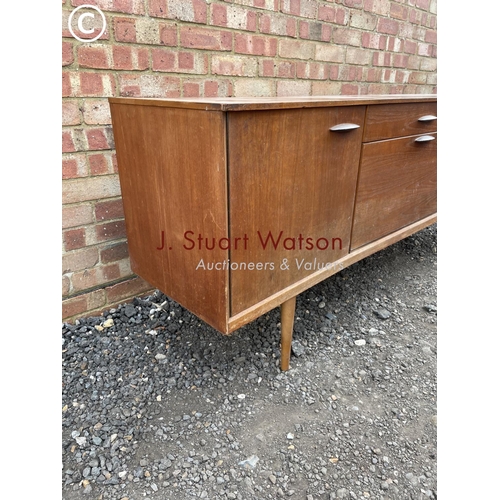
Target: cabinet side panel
x: 396, y: 187
x: 172, y: 168
x: 292, y: 184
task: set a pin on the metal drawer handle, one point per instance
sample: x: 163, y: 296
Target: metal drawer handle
x: 344, y: 126
x: 425, y: 138
x: 427, y: 118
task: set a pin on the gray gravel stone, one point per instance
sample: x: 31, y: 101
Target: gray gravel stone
x: 151, y: 405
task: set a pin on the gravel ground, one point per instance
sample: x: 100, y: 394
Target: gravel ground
x: 158, y: 405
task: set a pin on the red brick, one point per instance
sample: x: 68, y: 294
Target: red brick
x: 98, y: 138
x: 91, y: 83
x: 381, y: 59
x: 286, y: 69
x: 66, y: 286
x: 423, y: 4
x: 68, y: 145
x: 114, y: 252
x: 134, y: 85
x: 67, y: 53
x: 374, y: 41
x: 125, y: 6
x: 124, y: 29
x: 312, y: 71
x: 381, y: 7
x: 70, y: 113
x: 219, y: 15
x: 96, y: 84
x: 431, y: 36
x: 168, y: 34
x: 107, y: 210
x: 83, y: 305
x: 417, y: 77
x: 218, y: 88
x: 350, y: 73
x: 76, y: 215
x: 194, y: 11
x: 111, y: 272
x: 400, y: 61
x: 127, y: 289
x: 207, y: 39
x: 110, y: 230
x: 267, y: 68
x: 410, y: 47
x: 373, y: 75
x: 129, y: 6
x: 85, y: 279
x: 301, y: 8
x: 73, y: 307
x: 74, y: 166
x: 94, y: 56
x: 69, y: 168
x: 349, y: 89
x: 66, y: 84
x: 267, y: 4
x: 414, y: 16
x: 77, y: 260
x: 399, y: 11
x: 179, y: 62
x: 100, y: 164
x: 191, y: 89
x: 234, y: 17
x: 354, y: 3
x: 256, y: 45
x: 74, y: 238
x: 122, y: 57
x: 276, y: 24
x: 389, y: 26
x: 336, y: 15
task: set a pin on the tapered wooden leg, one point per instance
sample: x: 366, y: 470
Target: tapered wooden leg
x: 287, y: 318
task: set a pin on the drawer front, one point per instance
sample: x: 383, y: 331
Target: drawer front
x: 388, y: 121
x: 396, y: 187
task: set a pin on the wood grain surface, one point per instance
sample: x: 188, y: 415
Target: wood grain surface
x: 387, y: 121
x: 397, y: 186
x: 289, y: 175
x: 172, y: 166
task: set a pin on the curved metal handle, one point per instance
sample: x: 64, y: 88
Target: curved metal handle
x: 425, y: 138
x: 344, y: 126
x: 427, y: 118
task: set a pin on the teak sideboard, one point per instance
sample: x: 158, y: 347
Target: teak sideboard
x: 235, y: 206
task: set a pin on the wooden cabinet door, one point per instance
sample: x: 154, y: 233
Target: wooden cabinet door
x: 292, y: 183
x: 397, y: 186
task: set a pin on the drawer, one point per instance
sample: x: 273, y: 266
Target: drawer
x: 396, y: 187
x: 387, y: 121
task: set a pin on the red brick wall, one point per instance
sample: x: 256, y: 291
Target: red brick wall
x: 192, y: 48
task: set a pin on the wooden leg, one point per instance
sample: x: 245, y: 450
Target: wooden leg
x: 287, y: 318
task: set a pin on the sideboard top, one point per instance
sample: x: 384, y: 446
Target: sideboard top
x: 254, y: 103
